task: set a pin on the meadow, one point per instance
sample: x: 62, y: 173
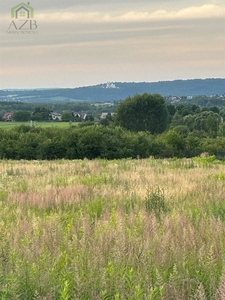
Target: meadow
x: 9, y: 125
x: 119, y: 229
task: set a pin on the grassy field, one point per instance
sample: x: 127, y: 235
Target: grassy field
x: 122, y: 229
x: 9, y: 125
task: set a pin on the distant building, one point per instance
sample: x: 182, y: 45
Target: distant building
x: 7, y: 117
x: 81, y: 115
x: 56, y: 116
x: 105, y: 114
x: 110, y: 85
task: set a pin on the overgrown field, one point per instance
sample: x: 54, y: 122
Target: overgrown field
x: 121, y: 229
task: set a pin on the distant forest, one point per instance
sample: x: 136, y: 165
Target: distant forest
x: 117, y: 91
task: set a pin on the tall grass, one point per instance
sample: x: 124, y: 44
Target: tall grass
x: 122, y: 229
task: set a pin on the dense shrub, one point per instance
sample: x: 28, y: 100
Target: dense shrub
x: 98, y: 141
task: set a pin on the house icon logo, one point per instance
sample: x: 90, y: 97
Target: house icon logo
x: 22, y: 20
x: 22, y: 11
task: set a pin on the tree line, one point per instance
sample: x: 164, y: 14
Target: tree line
x: 40, y: 112
x: 98, y: 141
x: 143, y: 126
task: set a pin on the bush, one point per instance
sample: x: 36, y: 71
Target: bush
x: 155, y: 201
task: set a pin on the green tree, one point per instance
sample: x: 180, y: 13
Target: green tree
x: 89, y: 118
x: 22, y: 116
x: 189, y: 121
x: 176, y: 120
x: 67, y: 117
x: 195, y: 108
x: 207, y: 121
x: 182, y: 130
x: 175, y: 140
x: 41, y: 114
x: 172, y: 110
x: 145, y: 112
x: 106, y: 121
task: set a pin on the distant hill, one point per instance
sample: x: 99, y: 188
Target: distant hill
x: 117, y: 91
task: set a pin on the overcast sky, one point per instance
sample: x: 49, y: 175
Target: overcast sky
x: 87, y: 42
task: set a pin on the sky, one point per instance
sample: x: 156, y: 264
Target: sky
x: 74, y: 43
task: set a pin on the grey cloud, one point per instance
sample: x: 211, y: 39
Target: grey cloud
x: 87, y: 5
x: 68, y: 32
x: 72, y: 53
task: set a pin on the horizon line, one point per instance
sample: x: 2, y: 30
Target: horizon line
x: 125, y: 82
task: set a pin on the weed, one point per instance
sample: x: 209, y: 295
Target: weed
x: 155, y: 201
x: 10, y: 172
x: 93, y: 180
x: 3, y: 196
x: 219, y: 177
x: 206, y: 161
x: 131, y: 203
x: 95, y: 208
x: 216, y: 209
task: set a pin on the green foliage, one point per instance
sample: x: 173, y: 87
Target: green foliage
x: 155, y: 201
x: 177, y: 142
x: 182, y: 130
x: 219, y: 177
x: 177, y: 120
x: 143, y: 113
x: 22, y: 116
x: 193, y: 146
x: 98, y: 141
x: 3, y: 195
x: 67, y: 117
x: 193, y: 130
x: 208, y: 121
x: 206, y: 161
x: 41, y: 114
x: 94, y: 208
